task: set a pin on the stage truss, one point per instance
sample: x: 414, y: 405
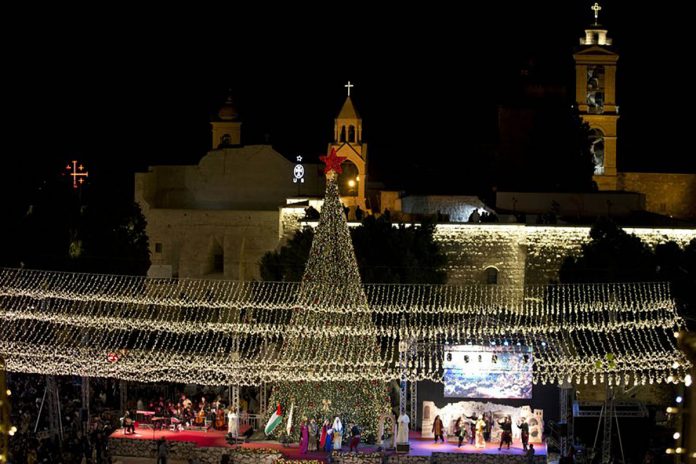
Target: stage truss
x: 246, y: 333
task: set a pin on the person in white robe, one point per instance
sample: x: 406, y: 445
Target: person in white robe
x: 337, y: 434
x: 232, y: 423
x: 402, y: 434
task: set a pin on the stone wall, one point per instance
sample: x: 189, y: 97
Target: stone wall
x: 189, y: 239
x: 403, y: 459
x: 472, y: 248
x: 668, y: 194
x: 356, y: 458
x: 522, y: 254
x: 184, y: 450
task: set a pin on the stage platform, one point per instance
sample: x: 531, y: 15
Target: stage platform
x: 419, y: 446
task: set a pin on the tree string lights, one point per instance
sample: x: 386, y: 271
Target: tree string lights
x: 356, y: 350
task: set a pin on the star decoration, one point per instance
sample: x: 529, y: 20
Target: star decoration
x: 333, y: 162
x: 326, y: 404
x: 299, y: 158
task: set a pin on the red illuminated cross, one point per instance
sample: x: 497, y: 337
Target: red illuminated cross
x: 78, y: 173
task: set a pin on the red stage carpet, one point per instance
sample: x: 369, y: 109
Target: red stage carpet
x: 419, y: 446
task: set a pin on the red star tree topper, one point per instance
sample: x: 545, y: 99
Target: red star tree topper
x: 333, y: 162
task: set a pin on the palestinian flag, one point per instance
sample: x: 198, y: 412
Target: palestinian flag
x: 273, y: 422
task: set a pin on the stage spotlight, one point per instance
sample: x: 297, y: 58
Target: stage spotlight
x: 466, y: 358
x: 505, y: 343
x: 495, y: 358
x: 449, y: 356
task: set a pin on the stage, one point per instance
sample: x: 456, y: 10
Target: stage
x: 419, y: 446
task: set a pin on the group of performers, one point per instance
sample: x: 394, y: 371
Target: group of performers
x: 180, y: 414
x: 477, y: 429
x: 328, y: 437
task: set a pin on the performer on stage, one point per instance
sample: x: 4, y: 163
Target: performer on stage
x: 471, y: 424
x: 304, y: 436
x: 232, y: 422
x: 438, y: 428
x: 337, y: 434
x: 355, y: 440
x: 324, y: 431
x: 128, y: 423
x: 506, y: 436
x: 402, y: 431
x: 488, y: 419
x: 313, y: 435
x: 480, y: 428
x: 458, y: 431
x: 524, y: 432
x: 328, y: 445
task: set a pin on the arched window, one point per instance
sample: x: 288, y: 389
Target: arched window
x: 225, y: 140
x: 351, y: 134
x: 595, y: 89
x: 491, y: 276
x: 343, y: 134
x: 597, y: 150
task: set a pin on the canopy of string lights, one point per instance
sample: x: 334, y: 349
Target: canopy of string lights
x: 224, y: 332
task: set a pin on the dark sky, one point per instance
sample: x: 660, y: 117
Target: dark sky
x: 123, y: 89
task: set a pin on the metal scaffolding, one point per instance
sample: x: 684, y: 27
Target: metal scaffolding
x: 51, y: 401
x: 565, y: 417
x: 85, y: 404
x: 123, y: 395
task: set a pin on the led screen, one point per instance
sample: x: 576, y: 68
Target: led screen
x: 488, y: 372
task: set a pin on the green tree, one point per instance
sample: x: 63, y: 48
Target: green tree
x: 612, y: 255
x: 68, y: 230
x: 386, y: 253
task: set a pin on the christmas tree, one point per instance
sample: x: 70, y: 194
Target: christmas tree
x: 347, y: 362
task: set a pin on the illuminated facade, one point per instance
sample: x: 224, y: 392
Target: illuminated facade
x: 595, y: 93
x: 348, y: 142
x: 669, y: 194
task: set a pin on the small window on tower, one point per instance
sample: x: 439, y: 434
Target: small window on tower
x: 158, y: 248
x: 343, y: 134
x: 351, y: 134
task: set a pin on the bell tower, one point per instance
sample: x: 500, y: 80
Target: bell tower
x: 595, y: 94
x: 348, y: 142
x: 227, y: 128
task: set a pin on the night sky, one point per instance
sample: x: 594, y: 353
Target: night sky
x: 122, y: 91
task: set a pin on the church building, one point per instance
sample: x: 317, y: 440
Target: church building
x: 215, y: 220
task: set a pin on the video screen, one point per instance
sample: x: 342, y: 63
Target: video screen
x: 488, y: 372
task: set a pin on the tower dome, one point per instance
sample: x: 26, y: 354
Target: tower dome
x: 228, y: 111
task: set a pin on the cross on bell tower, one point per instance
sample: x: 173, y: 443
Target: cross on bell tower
x: 596, y: 8
x: 349, y: 86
